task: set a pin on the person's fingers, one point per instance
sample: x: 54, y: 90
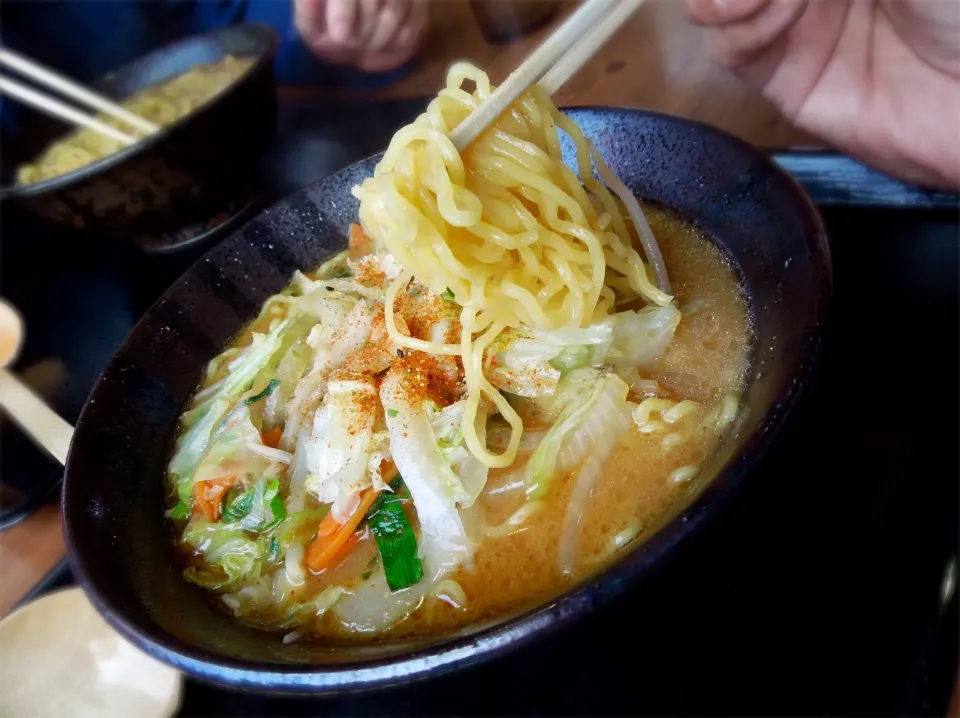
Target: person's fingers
x: 342, y: 19
x: 310, y: 21
x: 717, y: 13
x: 373, y: 35
x: 408, y: 38
x: 393, y: 16
x: 384, y: 61
x: 309, y: 17
x: 932, y: 29
x: 404, y: 44
x: 738, y: 43
x: 368, y: 16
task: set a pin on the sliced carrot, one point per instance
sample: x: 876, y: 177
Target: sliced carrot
x: 208, y: 496
x: 272, y: 438
x: 328, y: 525
x: 388, y: 471
x: 332, y: 536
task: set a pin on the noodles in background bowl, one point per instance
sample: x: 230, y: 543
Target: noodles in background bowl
x: 163, y: 104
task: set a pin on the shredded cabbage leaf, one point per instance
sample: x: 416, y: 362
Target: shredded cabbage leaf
x: 640, y: 339
x: 299, y: 613
x: 193, y: 443
x: 447, y: 428
x: 524, y: 368
x: 568, y: 441
x: 332, y: 340
x: 339, y: 445
x: 435, y: 488
x: 532, y: 362
x: 243, y: 370
x: 231, y: 555
x: 289, y: 370
x: 229, y: 453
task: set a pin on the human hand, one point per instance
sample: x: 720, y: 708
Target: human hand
x: 880, y: 79
x: 373, y: 35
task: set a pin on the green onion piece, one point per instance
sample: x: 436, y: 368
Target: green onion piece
x: 180, y: 511
x: 341, y: 273
x: 392, y: 413
x: 274, y: 550
x: 271, y: 490
x: 246, y: 509
x: 571, y: 358
x: 448, y: 295
x: 268, y: 390
x: 395, y: 540
x: 239, y: 507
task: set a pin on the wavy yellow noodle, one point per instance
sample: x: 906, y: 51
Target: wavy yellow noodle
x: 506, y: 226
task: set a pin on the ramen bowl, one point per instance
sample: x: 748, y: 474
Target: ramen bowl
x: 181, y: 175
x: 120, y: 543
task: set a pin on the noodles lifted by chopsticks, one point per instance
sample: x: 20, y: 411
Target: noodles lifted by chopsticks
x: 505, y: 230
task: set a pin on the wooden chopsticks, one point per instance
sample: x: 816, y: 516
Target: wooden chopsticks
x: 554, y: 62
x: 64, y: 86
x: 587, y: 47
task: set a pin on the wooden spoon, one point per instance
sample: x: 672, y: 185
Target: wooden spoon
x: 27, y: 409
x: 60, y: 658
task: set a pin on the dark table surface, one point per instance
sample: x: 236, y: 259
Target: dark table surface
x: 821, y: 589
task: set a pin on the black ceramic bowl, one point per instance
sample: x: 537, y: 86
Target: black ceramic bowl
x: 184, y: 174
x: 113, y: 490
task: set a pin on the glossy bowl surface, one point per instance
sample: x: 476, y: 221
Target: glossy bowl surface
x: 113, y: 489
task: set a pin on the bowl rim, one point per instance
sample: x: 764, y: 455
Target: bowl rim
x: 80, y: 174
x: 497, y: 636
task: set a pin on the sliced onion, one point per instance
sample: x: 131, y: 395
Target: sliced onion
x: 499, y: 436
x: 209, y: 391
x: 298, y: 474
x: 451, y: 593
x: 293, y: 565
x: 273, y: 454
x: 569, y: 548
x: 515, y: 523
x: 586, y: 479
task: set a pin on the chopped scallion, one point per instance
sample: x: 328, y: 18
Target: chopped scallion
x: 181, y: 511
x: 267, y: 391
x: 395, y: 540
x: 571, y: 358
x: 238, y: 507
